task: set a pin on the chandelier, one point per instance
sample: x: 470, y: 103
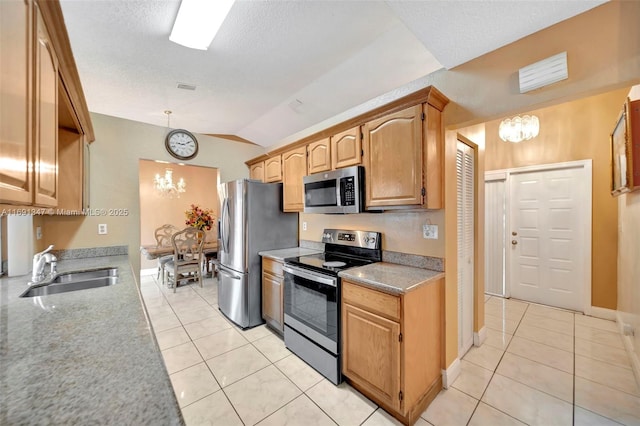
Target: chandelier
x: 166, y: 188
x: 518, y: 129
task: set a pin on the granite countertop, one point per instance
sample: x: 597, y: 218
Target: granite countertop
x: 82, y: 357
x: 282, y: 254
x: 390, y: 277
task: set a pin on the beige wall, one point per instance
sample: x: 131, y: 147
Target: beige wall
x: 628, y: 265
x: 577, y: 130
x: 114, y: 181
x: 157, y: 210
x: 401, y: 230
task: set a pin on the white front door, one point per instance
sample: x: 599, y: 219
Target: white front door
x: 465, y: 169
x: 548, y: 236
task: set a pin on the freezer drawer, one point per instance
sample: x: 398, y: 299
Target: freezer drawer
x: 239, y: 297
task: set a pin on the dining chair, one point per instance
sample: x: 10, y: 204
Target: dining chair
x: 187, y: 257
x: 163, y: 239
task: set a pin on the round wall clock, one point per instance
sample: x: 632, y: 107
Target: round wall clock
x: 181, y: 144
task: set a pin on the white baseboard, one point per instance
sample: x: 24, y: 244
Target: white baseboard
x: 480, y: 336
x: 628, y: 345
x: 150, y: 271
x: 603, y: 313
x: 451, y: 374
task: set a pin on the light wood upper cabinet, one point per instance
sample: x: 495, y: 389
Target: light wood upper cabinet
x: 256, y: 171
x: 45, y: 116
x: 294, y: 168
x: 346, y: 149
x: 16, y: 180
x: 393, y: 159
x: 273, y: 169
x: 319, y: 159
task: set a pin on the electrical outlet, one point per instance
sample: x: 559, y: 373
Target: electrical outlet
x: 304, y: 226
x: 38, y: 232
x: 430, y: 232
x: 102, y: 229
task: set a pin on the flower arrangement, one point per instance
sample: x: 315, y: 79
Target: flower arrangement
x: 199, y: 218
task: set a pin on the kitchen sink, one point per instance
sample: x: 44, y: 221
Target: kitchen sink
x: 72, y: 281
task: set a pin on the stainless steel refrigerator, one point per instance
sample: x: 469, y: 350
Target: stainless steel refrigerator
x: 251, y: 220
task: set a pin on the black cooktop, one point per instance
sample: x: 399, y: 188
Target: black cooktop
x: 328, y: 263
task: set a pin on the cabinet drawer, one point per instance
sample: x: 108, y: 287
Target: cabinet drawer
x: 374, y: 301
x: 272, y: 266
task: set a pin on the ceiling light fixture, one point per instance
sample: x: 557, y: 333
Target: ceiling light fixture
x: 198, y: 21
x: 166, y: 188
x: 518, y: 129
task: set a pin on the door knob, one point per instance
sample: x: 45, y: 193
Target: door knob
x: 514, y: 242
x: 514, y: 233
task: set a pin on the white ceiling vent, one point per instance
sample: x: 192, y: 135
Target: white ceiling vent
x: 186, y: 86
x: 544, y: 72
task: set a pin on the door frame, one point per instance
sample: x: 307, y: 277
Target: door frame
x: 588, y: 199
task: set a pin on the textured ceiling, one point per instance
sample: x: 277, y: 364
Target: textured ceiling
x: 279, y: 67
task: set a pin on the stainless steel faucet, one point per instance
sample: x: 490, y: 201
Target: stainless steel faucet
x: 39, y: 262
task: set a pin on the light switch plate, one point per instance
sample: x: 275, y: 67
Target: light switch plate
x: 304, y: 226
x: 102, y: 229
x: 430, y: 232
x: 38, y: 232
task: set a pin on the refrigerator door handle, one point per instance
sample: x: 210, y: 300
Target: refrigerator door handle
x: 225, y: 225
x: 224, y: 271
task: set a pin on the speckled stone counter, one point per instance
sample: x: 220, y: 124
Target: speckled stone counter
x: 282, y: 254
x: 82, y: 357
x: 390, y: 277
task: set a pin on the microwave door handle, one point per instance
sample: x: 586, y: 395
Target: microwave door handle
x: 338, y: 197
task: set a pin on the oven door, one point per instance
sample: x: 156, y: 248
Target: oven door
x: 311, y: 305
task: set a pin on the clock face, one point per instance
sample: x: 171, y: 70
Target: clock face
x: 181, y: 144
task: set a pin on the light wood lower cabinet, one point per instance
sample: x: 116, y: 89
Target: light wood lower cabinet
x: 273, y: 294
x: 392, y: 346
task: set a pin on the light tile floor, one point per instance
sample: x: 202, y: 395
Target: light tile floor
x: 538, y: 366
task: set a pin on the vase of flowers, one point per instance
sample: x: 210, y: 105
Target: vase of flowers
x: 199, y: 218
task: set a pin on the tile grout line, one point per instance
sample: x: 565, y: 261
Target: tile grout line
x: 493, y: 373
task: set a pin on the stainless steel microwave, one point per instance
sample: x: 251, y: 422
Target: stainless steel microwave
x: 337, y: 191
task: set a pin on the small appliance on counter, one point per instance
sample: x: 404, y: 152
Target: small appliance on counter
x: 312, y: 297
x: 251, y: 220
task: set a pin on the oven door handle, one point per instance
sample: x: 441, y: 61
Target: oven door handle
x: 310, y: 276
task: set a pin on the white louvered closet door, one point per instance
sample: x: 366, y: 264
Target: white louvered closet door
x: 495, y: 216
x: 465, y: 172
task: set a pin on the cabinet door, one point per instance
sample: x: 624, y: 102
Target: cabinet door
x: 46, y: 117
x: 294, y: 167
x: 371, y: 353
x: 346, y: 149
x: 256, y: 171
x: 272, y: 296
x: 16, y: 182
x: 273, y: 169
x: 319, y: 156
x: 393, y: 159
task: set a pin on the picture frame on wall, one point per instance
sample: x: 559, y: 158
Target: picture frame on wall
x: 625, y: 157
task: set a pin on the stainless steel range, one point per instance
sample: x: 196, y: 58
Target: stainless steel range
x: 312, y: 296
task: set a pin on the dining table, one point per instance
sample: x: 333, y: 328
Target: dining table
x: 152, y: 251
x: 209, y: 250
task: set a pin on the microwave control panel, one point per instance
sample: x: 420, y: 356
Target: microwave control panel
x: 348, y: 191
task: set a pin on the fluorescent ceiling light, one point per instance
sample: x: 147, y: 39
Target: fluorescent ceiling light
x: 198, y: 21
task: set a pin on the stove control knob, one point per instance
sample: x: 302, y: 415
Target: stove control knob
x: 370, y: 240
